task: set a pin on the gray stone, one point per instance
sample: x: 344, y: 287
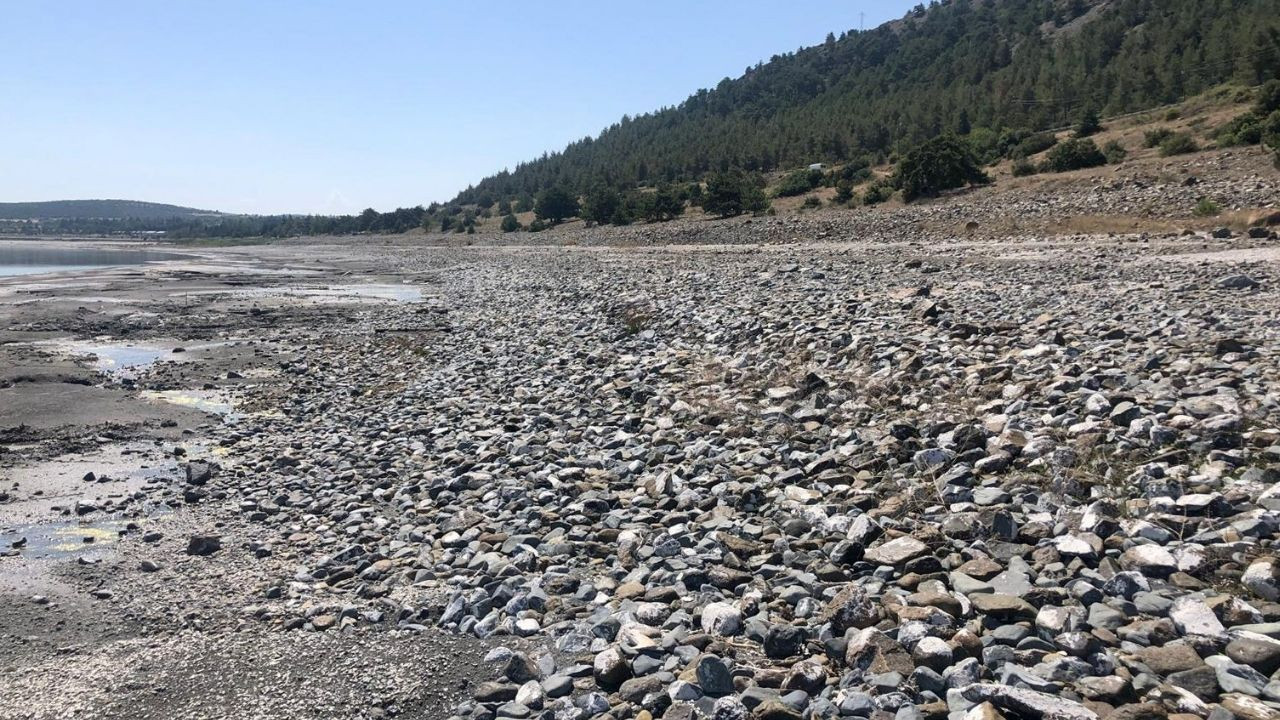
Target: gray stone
x: 1262, y: 578
x: 1028, y: 702
x: 897, y: 551
x: 721, y: 618
x: 1193, y: 617
x: 1236, y: 282
x: 1256, y: 651
x: 1149, y: 560
x: 610, y: 668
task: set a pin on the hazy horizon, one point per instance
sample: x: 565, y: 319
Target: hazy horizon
x: 297, y: 108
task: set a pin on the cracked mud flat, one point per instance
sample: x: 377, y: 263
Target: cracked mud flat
x: 919, y: 477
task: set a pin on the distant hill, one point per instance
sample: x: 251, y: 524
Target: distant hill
x: 958, y: 65
x: 97, y: 210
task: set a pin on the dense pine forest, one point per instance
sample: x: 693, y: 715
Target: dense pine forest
x: 954, y: 66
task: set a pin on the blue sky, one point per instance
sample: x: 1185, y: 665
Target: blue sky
x: 331, y: 107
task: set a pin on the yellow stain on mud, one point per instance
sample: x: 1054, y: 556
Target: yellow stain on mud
x: 185, y: 399
x: 72, y: 538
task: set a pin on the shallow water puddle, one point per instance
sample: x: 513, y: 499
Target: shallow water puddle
x: 120, y: 358
x: 385, y: 292
x: 50, y: 540
x: 114, y: 358
x: 398, y: 293
x: 208, y: 401
x: 110, y: 357
x: 42, y: 491
x: 70, y: 538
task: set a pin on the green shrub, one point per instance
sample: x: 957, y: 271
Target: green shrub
x: 1089, y: 124
x: 1207, y: 208
x: 622, y: 216
x: 985, y: 144
x: 1268, y: 100
x: 1009, y: 140
x: 1023, y: 168
x: 1034, y: 144
x: 813, y: 201
x: 798, y: 182
x: 733, y: 193
x: 538, y: 225
x: 844, y: 192
x: 1073, y: 155
x: 1243, y: 129
x: 601, y: 204
x: 878, y: 192
x: 1173, y: 114
x: 556, y: 204
x: 1153, y: 138
x: 510, y: 224
x: 660, y: 206
x: 855, y: 175
x: 855, y: 170
x: 694, y: 194
x: 943, y: 163
x: 1178, y: 144
x: 1271, y: 134
x: 1114, y: 152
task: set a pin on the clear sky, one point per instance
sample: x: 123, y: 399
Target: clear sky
x: 269, y: 106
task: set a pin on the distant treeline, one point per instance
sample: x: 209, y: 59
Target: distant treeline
x: 109, y: 209
x: 230, y: 226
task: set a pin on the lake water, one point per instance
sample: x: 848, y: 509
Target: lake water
x: 32, y: 258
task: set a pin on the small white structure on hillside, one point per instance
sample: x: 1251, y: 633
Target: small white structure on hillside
x: 818, y: 166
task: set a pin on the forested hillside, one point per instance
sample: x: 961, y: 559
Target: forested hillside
x: 198, y: 223
x: 95, y: 209
x: 955, y: 66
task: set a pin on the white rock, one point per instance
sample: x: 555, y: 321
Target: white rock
x: 531, y: 694
x: 896, y: 551
x: 1193, y: 617
x: 1148, y: 559
x: 1263, y: 579
x: 1027, y: 703
x: 721, y: 618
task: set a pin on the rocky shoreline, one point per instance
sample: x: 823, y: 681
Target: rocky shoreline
x: 924, y: 479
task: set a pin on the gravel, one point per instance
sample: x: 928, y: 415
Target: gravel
x: 734, y: 483
x: 750, y: 481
